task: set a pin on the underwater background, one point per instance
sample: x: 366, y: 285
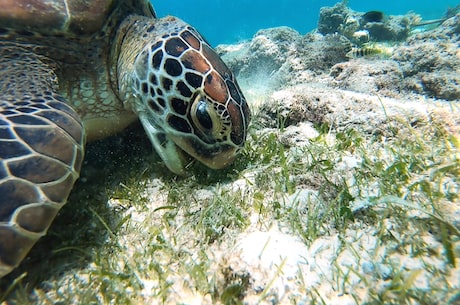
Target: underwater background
x: 245, y: 17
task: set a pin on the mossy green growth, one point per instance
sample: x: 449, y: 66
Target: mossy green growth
x: 141, y: 235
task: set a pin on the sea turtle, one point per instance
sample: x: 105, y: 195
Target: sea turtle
x: 72, y: 70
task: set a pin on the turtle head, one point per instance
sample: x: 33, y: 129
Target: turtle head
x: 185, y: 96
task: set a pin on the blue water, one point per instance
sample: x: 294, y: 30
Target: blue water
x: 225, y: 21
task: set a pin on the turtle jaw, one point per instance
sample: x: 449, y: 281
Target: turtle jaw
x: 178, y: 150
x: 213, y: 156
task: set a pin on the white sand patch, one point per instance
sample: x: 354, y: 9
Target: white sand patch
x: 273, y: 260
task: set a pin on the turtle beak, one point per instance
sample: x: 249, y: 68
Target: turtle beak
x: 213, y: 156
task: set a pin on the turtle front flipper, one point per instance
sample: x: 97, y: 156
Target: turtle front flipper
x: 41, y: 151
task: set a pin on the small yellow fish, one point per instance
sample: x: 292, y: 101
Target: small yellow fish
x: 373, y: 50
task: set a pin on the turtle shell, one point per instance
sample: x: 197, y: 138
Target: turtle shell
x: 42, y: 134
x: 80, y: 17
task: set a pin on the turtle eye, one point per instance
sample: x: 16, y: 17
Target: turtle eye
x: 202, y: 115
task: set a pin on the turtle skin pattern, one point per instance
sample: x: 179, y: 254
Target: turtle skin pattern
x: 187, y: 96
x: 41, y: 151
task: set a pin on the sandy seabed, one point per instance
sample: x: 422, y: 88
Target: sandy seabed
x: 309, y: 80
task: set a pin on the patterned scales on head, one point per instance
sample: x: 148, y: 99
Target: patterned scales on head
x: 188, y: 92
x: 73, y: 70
